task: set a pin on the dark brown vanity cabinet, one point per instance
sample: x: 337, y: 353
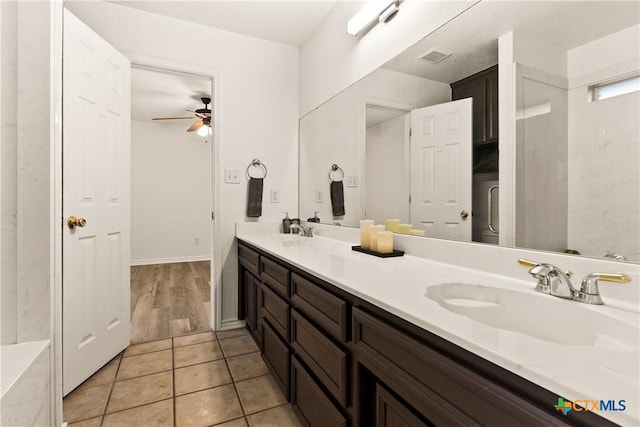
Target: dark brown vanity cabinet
x: 483, y: 88
x: 342, y: 361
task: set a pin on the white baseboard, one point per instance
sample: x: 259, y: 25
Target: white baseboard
x: 232, y: 324
x: 170, y: 260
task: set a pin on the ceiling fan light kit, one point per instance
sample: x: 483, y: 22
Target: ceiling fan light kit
x: 202, y: 126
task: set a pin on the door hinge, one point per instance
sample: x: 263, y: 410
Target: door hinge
x: 410, y: 131
x: 213, y: 216
x: 409, y: 198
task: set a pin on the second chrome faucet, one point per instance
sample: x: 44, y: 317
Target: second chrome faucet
x: 552, y: 280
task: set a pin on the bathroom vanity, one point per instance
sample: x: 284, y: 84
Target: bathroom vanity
x: 354, y: 340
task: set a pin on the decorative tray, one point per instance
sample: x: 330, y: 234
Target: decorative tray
x: 395, y: 252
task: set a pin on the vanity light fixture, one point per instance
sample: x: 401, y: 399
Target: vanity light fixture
x: 374, y: 11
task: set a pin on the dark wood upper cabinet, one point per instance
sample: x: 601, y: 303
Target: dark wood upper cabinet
x: 483, y: 88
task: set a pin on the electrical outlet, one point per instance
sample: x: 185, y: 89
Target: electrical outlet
x: 352, y: 181
x: 196, y: 241
x: 275, y: 196
x: 318, y: 196
x: 232, y: 176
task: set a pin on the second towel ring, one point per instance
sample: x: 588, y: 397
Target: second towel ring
x: 336, y: 168
x: 257, y: 164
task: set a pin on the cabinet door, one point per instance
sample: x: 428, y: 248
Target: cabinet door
x: 390, y: 412
x: 492, y: 105
x: 250, y: 306
x: 476, y: 89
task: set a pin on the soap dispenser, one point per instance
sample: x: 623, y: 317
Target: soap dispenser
x: 286, y: 223
x: 315, y: 218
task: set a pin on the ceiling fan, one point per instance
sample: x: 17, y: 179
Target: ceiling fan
x: 201, y: 115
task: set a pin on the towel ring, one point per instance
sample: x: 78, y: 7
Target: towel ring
x: 336, y: 168
x: 257, y: 164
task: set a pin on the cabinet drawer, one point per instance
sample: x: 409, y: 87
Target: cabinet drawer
x: 451, y: 393
x: 324, y: 308
x: 249, y: 258
x: 276, y: 276
x: 276, y: 311
x: 327, y: 361
x: 276, y: 357
x: 309, y: 402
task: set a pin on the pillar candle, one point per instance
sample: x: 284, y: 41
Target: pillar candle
x: 404, y: 228
x: 365, y: 232
x: 385, y: 242
x: 373, y: 242
x: 392, y: 225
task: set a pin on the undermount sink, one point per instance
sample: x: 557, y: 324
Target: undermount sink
x: 290, y: 240
x: 537, y: 315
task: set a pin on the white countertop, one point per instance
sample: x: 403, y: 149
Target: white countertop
x: 602, y: 371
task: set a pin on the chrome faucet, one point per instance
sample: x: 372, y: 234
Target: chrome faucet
x: 302, y: 230
x: 552, y: 280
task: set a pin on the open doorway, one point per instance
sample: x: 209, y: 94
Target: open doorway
x: 171, y: 170
x: 386, y: 163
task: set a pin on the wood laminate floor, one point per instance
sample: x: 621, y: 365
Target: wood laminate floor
x: 169, y: 300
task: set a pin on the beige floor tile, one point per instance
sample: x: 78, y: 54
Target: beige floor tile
x: 141, y: 390
x: 194, y: 339
x: 85, y: 402
x: 231, y: 333
x: 258, y: 394
x: 105, y: 375
x: 201, y: 376
x: 208, y: 407
x: 247, y: 366
x: 92, y: 422
x: 238, y: 345
x: 158, y: 414
x: 240, y: 422
x: 147, y: 347
x: 281, y: 416
x: 196, y: 353
x: 144, y: 364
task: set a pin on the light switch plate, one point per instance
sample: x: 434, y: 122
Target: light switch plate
x: 353, y: 181
x: 318, y: 196
x: 275, y: 196
x: 232, y: 176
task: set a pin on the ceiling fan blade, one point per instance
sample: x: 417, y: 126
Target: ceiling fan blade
x: 173, y: 118
x: 197, y: 125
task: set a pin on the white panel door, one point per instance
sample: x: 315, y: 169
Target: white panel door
x: 96, y: 188
x: 441, y: 163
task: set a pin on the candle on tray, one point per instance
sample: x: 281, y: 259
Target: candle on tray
x: 385, y: 242
x: 392, y: 225
x: 404, y: 228
x: 373, y: 242
x: 365, y: 232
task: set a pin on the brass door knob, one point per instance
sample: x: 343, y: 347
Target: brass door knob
x: 74, y: 222
x: 464, y: 214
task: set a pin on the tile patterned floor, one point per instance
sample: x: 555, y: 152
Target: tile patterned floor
x: 203, y: 379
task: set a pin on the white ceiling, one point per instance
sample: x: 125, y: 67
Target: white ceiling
x: 156, y: 93
x: 286, y: 21
x: 472, y: 37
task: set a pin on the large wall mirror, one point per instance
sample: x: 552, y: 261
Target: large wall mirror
x: 503, y: 113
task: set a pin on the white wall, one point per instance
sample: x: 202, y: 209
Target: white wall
x: 387, y: 164
x: 331, y: 60
x: 257, y: 107
x: 604, y: 150
x: 335, y: 133
x: 170, y: 194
